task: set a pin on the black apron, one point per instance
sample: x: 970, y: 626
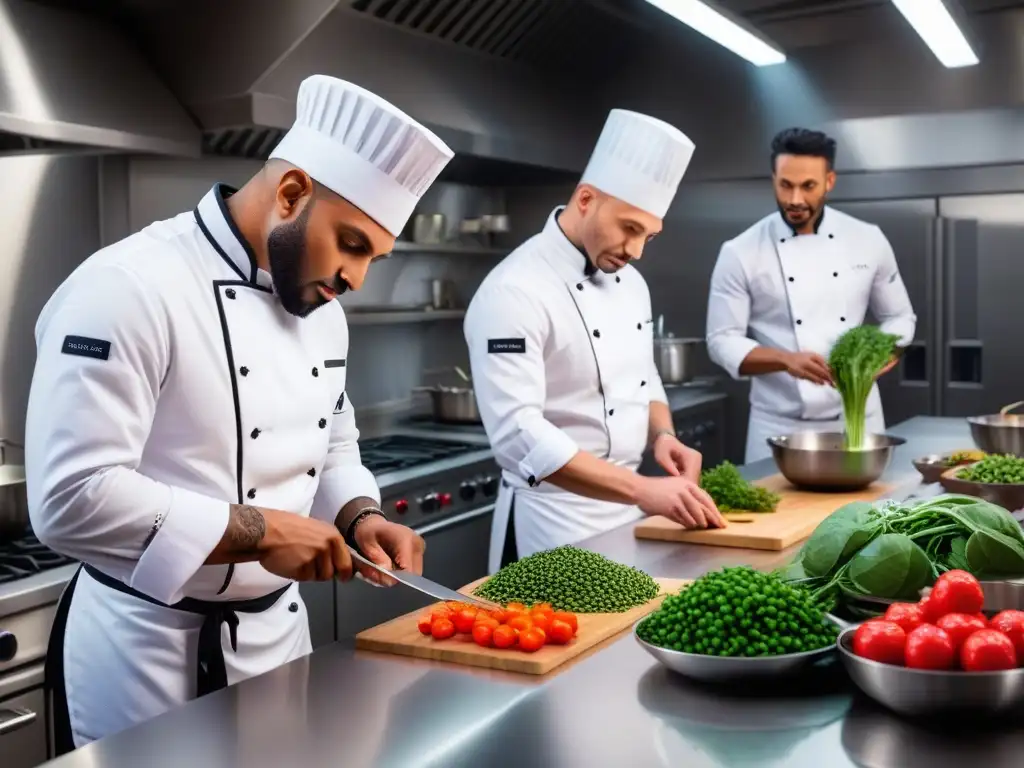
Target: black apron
x: 510, y: 552
x: 211, y: 671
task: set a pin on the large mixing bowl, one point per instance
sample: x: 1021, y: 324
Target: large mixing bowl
x: 923, y: 692
x: 999, y: 432
x: 820, y: 460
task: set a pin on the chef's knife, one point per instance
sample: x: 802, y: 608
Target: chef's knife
x: 426, y: 586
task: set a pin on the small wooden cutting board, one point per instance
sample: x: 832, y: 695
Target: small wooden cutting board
x: 797, y: 515
x: 402, y: 637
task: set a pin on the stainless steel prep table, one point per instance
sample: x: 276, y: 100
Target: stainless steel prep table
x: 615, y: 707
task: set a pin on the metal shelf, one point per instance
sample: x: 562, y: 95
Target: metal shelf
x: 400, y: 316
x: 460, y: 249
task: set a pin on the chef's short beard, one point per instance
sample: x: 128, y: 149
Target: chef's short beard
x: 286, y: 247
x: 815, y: 212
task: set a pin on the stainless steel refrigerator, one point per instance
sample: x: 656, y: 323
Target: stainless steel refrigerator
x: 962, y: 259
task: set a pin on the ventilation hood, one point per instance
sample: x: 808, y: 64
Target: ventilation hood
x: 474, y: 71
x: 71, y: 81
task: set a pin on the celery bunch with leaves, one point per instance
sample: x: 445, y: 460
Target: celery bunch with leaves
x: 856, y: 358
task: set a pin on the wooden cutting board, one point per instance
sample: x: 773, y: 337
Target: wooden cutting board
x: 402, y: 637
x: 794, y: 519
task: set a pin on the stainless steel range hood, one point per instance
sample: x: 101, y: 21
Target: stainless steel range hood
x: 467, y: 69
x: 73, y: 82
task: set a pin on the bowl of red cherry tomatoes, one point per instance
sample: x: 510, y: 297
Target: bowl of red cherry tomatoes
x: 942, y: 654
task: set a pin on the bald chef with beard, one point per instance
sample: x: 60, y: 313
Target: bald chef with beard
x: 784, y: 290
x: 561, y: 347
x: 189, y: 437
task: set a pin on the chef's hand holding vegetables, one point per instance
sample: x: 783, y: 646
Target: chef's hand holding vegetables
x: 189, y: 437
x: 786, y: 289
x: 561, y: 347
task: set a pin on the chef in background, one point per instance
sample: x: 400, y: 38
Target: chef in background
x: 561, y: 347
x: 784, y: 290
x: 189, y: 435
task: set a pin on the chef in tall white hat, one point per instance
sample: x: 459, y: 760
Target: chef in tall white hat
x: 561, y: 348
x: 189, y: 437
x: 785, y: 289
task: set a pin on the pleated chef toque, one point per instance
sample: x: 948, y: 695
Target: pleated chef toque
x: 640, y: 160
x: 363, y: 148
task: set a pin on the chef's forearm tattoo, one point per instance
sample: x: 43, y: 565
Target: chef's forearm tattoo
x: 246, y: 528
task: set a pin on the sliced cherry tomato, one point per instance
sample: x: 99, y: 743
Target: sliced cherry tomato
x: 541, y: 620
x: 464, y: 620
x: 559, y: 632
x: 1011, y: 624
x: 929, y: 647
x: 424, y: 624
x: 504, y: 636
x: 532, y: 639
x: 441, y: 612
x: 521, y: 622
x: 882, y: 641
x: 907, y: 615
x: 956, y: 592
x: 988, y: 650
x: 482, y: 634
x: 568, y: 618
x: 959, y: 626
x: 442, y: 629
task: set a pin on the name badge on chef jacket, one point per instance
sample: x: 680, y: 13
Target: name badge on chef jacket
x: 83, y: 346
x: 498, y: 346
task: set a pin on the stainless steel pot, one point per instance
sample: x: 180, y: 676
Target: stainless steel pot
x: 674, y: 359
x: 13, y: 495
x: 1001, y: 433
x: 428, y: 228
x: 453, y: 405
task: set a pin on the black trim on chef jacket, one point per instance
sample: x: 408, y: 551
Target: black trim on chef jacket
x: 817, y: 223
x: 211, y: 670
x: 589, y: 269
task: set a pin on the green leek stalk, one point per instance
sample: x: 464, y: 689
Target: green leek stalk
x: 855, y: 360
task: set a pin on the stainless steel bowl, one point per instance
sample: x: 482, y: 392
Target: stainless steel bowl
x: 720, y: 669
x: 1009, y: 496
x: 999, y: 596
x: 819, y: 460
x: 998, y: 433
x: 921, y: 692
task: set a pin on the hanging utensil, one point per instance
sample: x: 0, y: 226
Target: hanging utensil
x: 462, y: 374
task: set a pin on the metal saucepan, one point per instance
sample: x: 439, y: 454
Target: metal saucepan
x: 673, y: 356
x: 820, y: 460
x: 13, y: 495
x: 453, y: 405
x: 1002, y: 432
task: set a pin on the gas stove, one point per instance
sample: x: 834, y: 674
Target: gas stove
x: 396, y: 452
x: 27, y: 556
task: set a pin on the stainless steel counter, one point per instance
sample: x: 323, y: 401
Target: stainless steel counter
x: 613, y: 707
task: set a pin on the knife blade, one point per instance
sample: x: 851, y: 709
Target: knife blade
x: 421, y: 584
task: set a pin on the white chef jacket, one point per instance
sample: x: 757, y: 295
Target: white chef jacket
x: 563, y: 360
x: 773, y: 288
x: 170, y: 383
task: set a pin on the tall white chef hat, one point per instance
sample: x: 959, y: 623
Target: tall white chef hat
x: 640, y: 160
x: 363, y: 148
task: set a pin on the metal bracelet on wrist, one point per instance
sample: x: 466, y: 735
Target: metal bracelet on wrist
x: 361, y: 515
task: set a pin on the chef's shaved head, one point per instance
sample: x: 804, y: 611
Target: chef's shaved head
x: 314, y: 243
x: 610, y: 232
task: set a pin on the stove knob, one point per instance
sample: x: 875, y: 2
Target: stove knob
x: 445, y: 499
x: 490, y: 486
x: 429, y: 503
x: 700, y: 430
x: 8, y: 646
x: 401, y: 506
x: 467, y: 491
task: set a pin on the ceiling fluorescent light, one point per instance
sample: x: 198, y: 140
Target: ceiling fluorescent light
x: 718, y: 25
x: 932, y: 20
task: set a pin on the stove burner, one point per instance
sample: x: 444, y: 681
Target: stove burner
x: 389, y: 454
x: 27, y: 556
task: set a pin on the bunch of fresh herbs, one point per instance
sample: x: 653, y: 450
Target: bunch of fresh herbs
x: 731, y: 492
